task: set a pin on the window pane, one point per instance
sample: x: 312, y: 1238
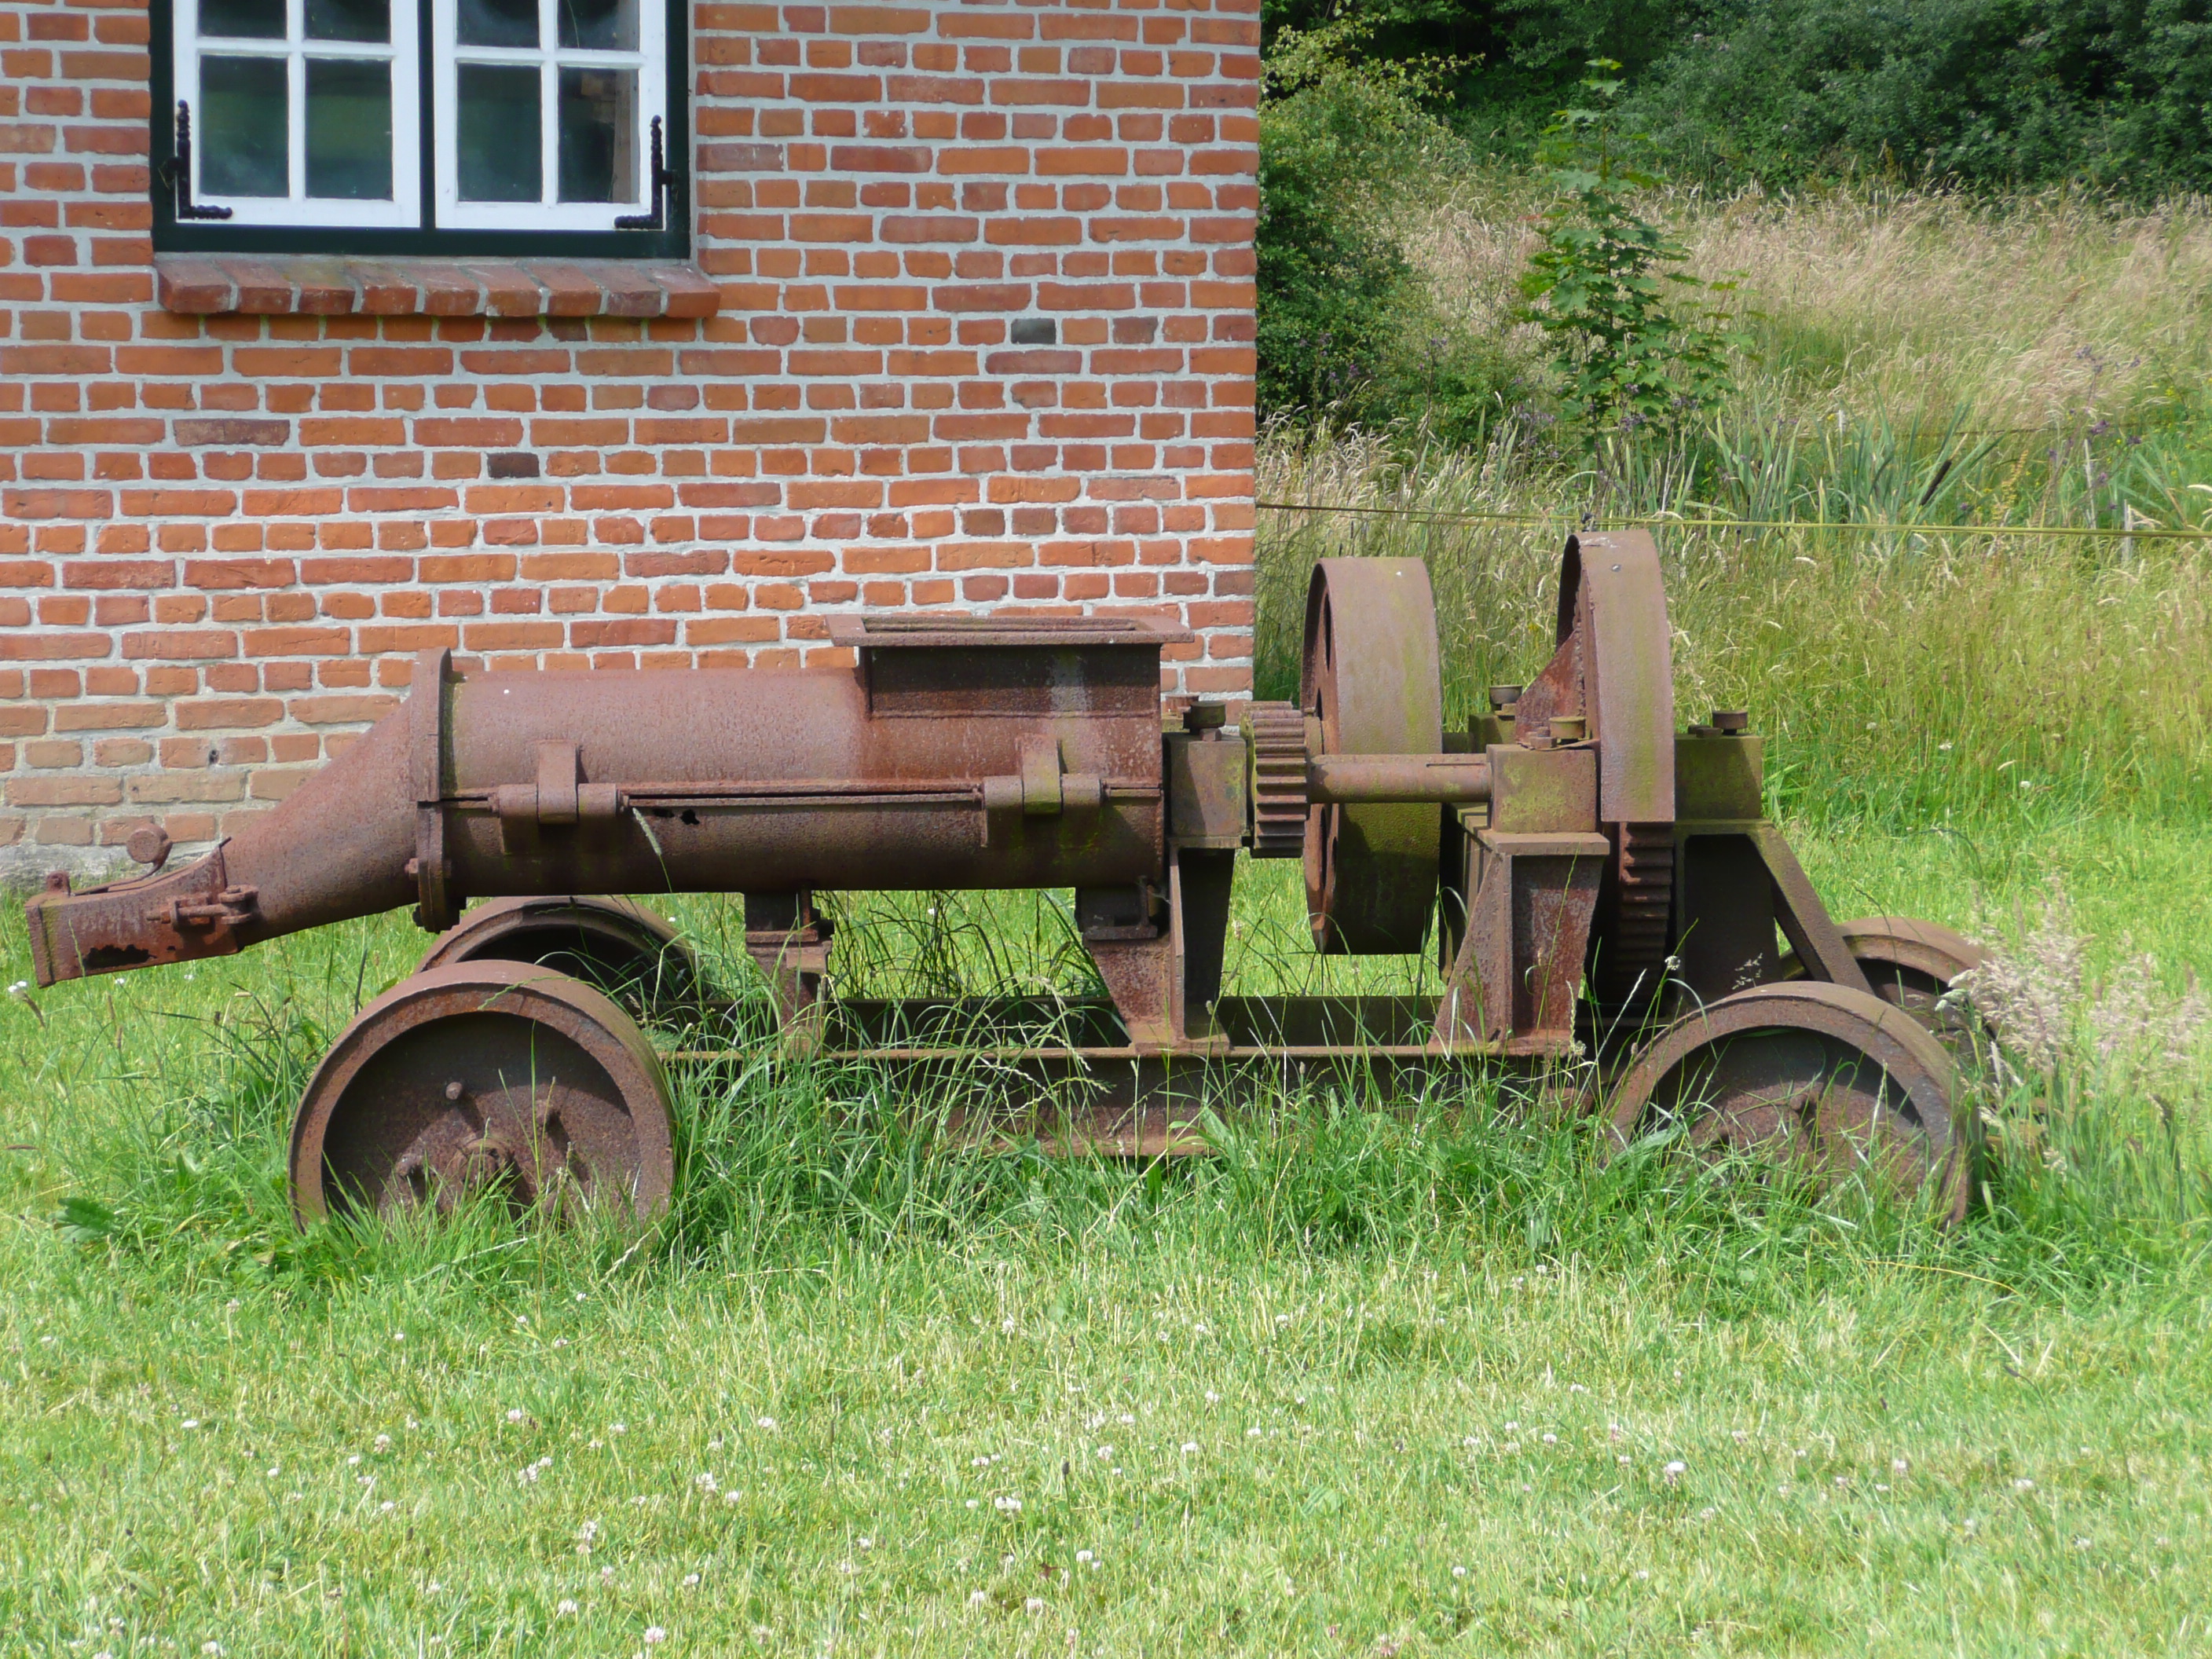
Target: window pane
x: 498, y: 134
x: 243, y: 122
x: 349, y: 129
x: 243, y: 20
x: 498, y: 22
x: 601, y: 25
x: 599, y: 135
x: 349, y: 20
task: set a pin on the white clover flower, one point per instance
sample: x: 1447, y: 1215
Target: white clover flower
x: 655, y: 1633
x: 588, y: 1531
x: 383, y: 1443
x: 189, y: 1422
x: 977, y: 1598
x: 731, y: 1495
x: 1007, y: 1505
x: 1459, y: 1572
x: 211, y: 1647
x: 1083, y: 1558
x: 764, y: 1422
x: 1105, y: 1451
x: 1551, y: 1440
x: 1675, y: 1470
x: 1900, y: 1466
x: 387, y: 1506
x: 2023, y: 1485
x: 568, y: 1605
x: 353, y: 1461
x: 1033, y: 1606
x: 514, y: 1413
x: 974, y: 1503
x: 617, y: 1428
x: 1189, y: 1446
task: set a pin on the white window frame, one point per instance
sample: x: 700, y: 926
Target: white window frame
x: 650, y: 61
x: 403, y: 210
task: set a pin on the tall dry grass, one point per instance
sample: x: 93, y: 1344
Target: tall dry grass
x: 1924, y: 361
x: 2030, y: 312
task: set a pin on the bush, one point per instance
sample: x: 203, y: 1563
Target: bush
x: 1632, y: 340
x: 1347, y: 326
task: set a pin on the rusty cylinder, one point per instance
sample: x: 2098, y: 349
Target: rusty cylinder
x: 951, y: 754
x: 770, y: 781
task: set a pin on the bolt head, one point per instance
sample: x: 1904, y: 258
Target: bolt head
x: 148, y: 845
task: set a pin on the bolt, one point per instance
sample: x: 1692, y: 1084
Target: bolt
x: 149, y: 844
x: 1733, y: 721
x: 1505, y: 696
x: 1567, y: 728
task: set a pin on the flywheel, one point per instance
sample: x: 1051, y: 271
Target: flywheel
x: 1372, y: 681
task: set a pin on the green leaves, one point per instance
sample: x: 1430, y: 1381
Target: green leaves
x: 1633, y: 341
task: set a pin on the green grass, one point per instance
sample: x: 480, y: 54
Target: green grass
x: 1364, y: 1322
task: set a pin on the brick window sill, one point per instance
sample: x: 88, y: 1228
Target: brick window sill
x: 324, y: 285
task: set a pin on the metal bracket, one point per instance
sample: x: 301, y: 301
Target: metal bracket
x: 559, y: 797
x: 662, y: 182
x: 436, y: 909
x: 1039, y: 790
x: 177, y: 171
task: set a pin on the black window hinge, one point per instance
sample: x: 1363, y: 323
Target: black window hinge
x: 662, y: 181
x: 177, y: 171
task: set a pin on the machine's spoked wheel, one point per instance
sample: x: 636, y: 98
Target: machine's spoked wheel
x: 1829, y: 1081
x: 621, y: 947
x: 481, y: 1078
x: 1910, y: 964
x: 1371, y: 678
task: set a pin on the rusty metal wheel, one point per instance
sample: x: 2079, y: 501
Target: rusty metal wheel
x: 1833, y: 1082
x: 1910, y: 964
x: 1372, y: 679
x: 484, y: 1077
x: 617, y: 945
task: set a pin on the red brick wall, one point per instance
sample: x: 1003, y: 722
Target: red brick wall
x: 220, y: 536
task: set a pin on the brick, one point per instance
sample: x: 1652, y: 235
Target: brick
x: 244, y: 488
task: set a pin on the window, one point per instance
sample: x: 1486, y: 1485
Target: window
x: 416, y: 125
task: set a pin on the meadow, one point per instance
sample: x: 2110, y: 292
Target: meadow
x: 1382, y: 1376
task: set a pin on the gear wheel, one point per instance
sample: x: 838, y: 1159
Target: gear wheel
x: 1276, y: 733
x: 1646, y: 874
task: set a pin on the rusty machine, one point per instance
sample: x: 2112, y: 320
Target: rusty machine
x: 1596, y: 882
